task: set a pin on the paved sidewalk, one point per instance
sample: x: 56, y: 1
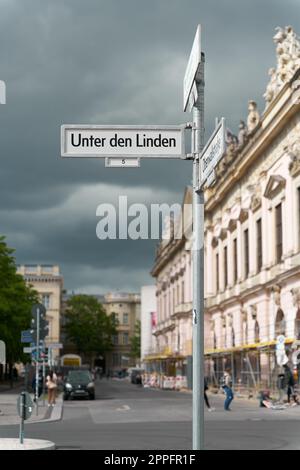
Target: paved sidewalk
x: 9, y: 414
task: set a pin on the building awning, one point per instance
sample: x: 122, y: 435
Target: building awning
x: 246, y: 347
x: 160, y: 357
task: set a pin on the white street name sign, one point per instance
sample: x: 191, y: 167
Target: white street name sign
x: 192, y: 68
x: 213, y: 151
x: 54, y: 346
x: 98, y: 141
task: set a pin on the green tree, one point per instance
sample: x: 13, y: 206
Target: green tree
x: 16, y: 300
x: 88, y: 326
x: 135, y: 341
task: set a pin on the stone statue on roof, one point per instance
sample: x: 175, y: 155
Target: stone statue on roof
x: 288, y: 61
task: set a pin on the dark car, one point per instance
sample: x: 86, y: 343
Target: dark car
x: 136, y: 376
x: 79, y: 383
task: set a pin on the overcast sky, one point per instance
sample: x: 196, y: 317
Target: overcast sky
x: 112, y: 62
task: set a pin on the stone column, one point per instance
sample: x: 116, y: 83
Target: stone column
x: 252, y: 244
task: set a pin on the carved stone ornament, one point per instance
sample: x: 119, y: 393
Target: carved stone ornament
x: 296, y: 296
x: 244, y: 315
x: 277, y: 297
x: 255, y: 196
x: 253, y: 311
x: 253, y: 115
x: 243, y: 134
x: 288, y: 61
x: 293, y: 152
x: 275, y: 184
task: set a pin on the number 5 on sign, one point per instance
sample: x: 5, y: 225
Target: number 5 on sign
x: 116, y: 162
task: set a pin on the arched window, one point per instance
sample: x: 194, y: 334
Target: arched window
x: 245, y: 332
x: 256, y: 332
x: 280, y: 323
x: 232, y: 337
x: 297, y: 325
x: 215, y: 340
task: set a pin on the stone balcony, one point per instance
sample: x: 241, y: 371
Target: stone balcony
x: 183, y: 309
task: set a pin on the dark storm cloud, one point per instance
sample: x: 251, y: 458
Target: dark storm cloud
x: 113, y: 62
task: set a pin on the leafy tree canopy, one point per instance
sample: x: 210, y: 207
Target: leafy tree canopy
x: 88, y: 326
x: 16, y: 300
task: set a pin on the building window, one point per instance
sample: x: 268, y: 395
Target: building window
x: 259, y: 244
x: 299, y: 214
x: 125, y: 318
x: 246, y: 252
x: 217, y: 273
x: 278, y: 232
x: 280, y: 323
x: 182, y: 292
x: 46, y: 301
x: 297, y: 325
x: 225, y: 267
x: 115, y: 317
x: 235, y: 273
x: 232, y: 337
x: 116, y: 359
x: 115, y: 340
x: 125, y: 339
x: 256, y: 332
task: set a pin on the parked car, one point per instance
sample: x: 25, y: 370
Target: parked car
x: 136, y: 376
x: 79, y: 383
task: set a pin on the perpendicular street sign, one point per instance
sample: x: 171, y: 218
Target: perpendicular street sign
x: 27, y: 350
x: 213, y: 152
x: 2, y: 352
x: 192, y: 68
x: 121, y: 142
x: 26, y: 336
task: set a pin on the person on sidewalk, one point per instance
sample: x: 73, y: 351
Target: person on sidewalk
x: 227, y: 387
x: 290, y: 382
x: 52, y: 387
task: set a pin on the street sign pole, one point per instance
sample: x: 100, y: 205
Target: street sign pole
x: 37, y: 360
x: 22, y: 418
x: 198, y: 269
x: 44, y: 379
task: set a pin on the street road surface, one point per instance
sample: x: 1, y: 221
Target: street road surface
x: 126, y: 416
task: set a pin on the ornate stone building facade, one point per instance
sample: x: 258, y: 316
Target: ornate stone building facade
x: 48, y: 282
x: 252, y: 245
x: 172, y: 351
x: 126, y: 307
x: 252, y: 232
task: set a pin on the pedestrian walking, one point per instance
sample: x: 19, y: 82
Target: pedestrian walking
x: 51, y: 383
x: 290, y: 383
x: 227, y: 387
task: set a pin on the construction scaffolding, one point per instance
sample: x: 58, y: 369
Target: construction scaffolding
x: 253, y: 367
